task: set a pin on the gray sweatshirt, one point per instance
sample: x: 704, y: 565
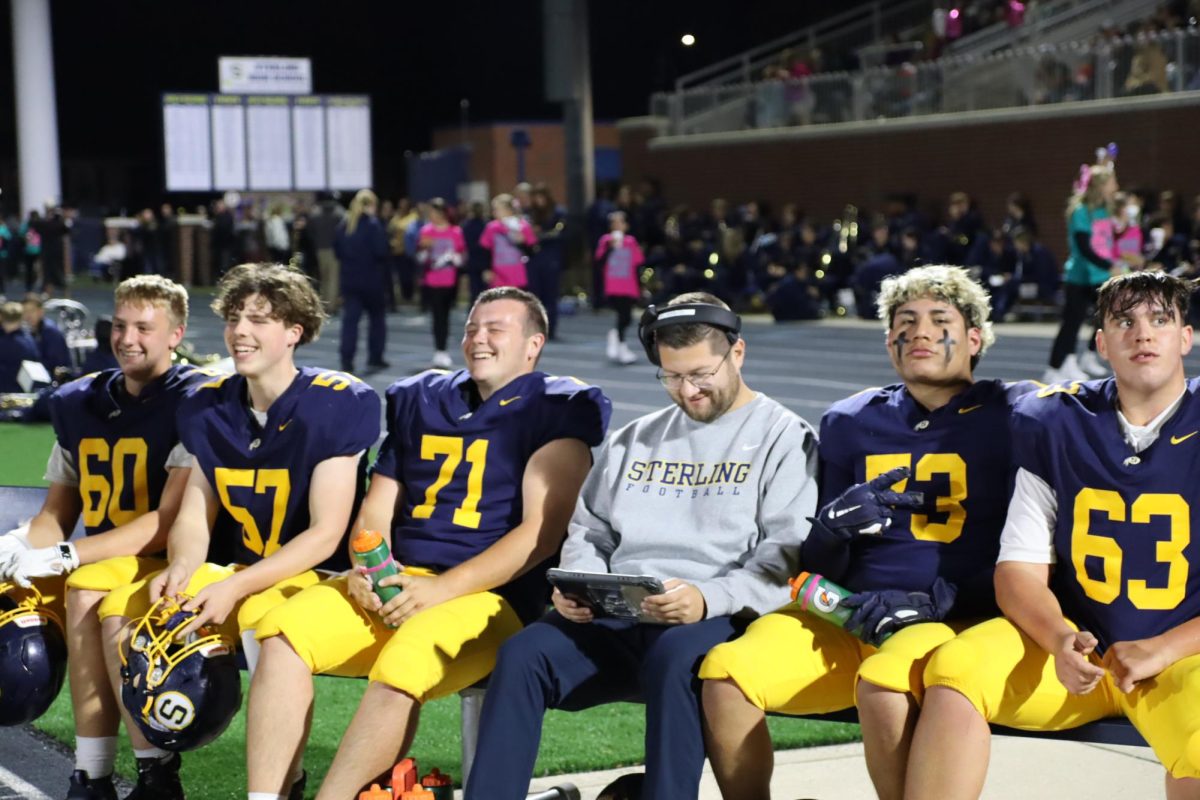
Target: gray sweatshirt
x: 721, y: 505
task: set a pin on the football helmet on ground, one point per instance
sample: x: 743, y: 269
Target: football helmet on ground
x: 182, y: 694
x: 33, y: 655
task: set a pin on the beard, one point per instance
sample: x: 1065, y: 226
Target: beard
x: 720, y: 398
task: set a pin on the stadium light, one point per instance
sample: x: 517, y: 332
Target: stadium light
x: 687, y: 40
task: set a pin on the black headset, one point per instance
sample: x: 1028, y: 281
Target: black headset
x: 655, y: 317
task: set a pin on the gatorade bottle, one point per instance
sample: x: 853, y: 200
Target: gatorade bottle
x: 821, y: 597
x: 371, y: 552
x: 439, y: 784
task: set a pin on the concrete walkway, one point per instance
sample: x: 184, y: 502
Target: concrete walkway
x: 1029, y: 769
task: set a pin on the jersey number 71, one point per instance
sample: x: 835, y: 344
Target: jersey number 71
x: 451, y: 447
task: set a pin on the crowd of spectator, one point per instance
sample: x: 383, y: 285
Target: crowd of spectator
x: 31, y: 343
x: 751, y: 255
x: 1141, y: 58
x: 798, y: 267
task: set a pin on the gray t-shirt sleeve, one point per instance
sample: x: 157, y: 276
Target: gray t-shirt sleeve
x: 787, y: 496
x: 60, y: 468
x: 590, y: 537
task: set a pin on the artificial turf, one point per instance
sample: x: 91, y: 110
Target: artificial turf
x: 23, y: 453
x: 599, y: 738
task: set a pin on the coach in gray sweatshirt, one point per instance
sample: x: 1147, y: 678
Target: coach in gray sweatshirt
x: 710, y: 495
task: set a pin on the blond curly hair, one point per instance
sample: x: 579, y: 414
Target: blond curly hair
x: 952, y: 285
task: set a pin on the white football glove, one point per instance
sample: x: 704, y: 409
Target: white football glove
x: 14, y: 541
x: 11, y: 543
x: 43, y: 562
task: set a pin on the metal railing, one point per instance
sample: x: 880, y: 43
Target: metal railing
x: 1168, y: 61
x: 1052, y: 22
x: 842, y: 33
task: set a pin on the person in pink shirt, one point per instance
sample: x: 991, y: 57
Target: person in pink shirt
x: 511, y: 240
x: 441, y: 250
x: 620, y: 256
x: 1128, y: 239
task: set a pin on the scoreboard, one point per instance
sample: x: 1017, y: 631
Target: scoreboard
x: 266, y: 142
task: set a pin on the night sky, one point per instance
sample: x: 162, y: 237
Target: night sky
x: 416, y: 60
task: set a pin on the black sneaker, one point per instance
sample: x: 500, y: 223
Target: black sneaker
x: 158, y: 780
x: 297, y: 791
x: 84, y: 788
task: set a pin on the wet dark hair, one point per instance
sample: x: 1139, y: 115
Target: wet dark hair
x: 1121, y: 294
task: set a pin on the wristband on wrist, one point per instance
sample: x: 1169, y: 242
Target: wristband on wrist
x: 69, y: 556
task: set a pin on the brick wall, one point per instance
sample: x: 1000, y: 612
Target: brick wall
x: 493, y: 158
x: 987, y: 155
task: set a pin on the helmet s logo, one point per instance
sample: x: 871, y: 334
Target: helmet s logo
x: 173, y: 711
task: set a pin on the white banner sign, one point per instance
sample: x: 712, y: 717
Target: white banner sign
x: 229, y: 142
x: 265, y: 75
x: 186, y: 143
x: 260, y: 142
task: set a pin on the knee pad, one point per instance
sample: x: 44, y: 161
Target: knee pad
x: 895, y: 671
x: 1191, y: 756
x: 957, y: 665
x: 952, y: 664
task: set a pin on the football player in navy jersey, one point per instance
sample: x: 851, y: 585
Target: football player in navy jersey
x: 914, y: 483
x: 276, y: 465
x: 117, y: 463
x: 473, y: 487
x: 1098, y: 575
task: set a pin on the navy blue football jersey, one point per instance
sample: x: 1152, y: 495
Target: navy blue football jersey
x: 1128, y: 564
x: 120, y: 443
x: 462, y: 463
x: 960, y: 457
x: 262, y: 473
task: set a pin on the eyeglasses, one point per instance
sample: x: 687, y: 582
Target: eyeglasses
x: 701, y: 380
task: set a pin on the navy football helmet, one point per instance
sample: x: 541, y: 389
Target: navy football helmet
x: 181, y: 694
x: 33, y: 655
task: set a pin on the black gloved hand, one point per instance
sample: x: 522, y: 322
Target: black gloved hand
x: 866, y: 508
x: 877, y: 615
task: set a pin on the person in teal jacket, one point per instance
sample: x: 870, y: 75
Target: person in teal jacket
x: 1088, y: 265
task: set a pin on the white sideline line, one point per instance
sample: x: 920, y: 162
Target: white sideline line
x: 17, y: 784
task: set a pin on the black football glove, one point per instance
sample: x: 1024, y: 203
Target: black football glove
x: 866, y: 508
x: 877, y: 615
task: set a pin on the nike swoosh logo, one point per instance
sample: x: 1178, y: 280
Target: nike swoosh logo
x: 510, y: 400
x: 751, y: 446
x: 1178, y: 439
x: 969, y: 409
x: 835, y: 514
x: 285, y: 424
